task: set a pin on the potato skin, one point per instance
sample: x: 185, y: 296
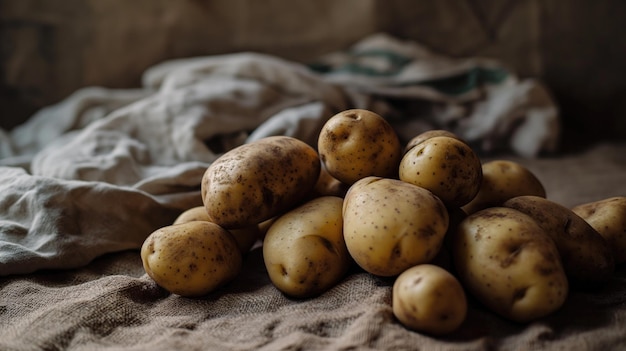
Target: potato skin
x: 427, y: 298
x: 507, y: 261
x: 502, y: 180
x: 608, y: 218
x: 587, y: 258
x: 357, y: 143
x: 446, y: 166
x: 390, y: 225
x: 304, y: 250
x: 191, y: 258
x: 259, y: 180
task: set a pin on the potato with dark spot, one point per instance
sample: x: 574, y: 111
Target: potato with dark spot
x: 427, y: 135
x: 191, y: 258
x: 304, y: 250
x: 502, y: 180
x: 427, y: 298
x: 446, y: 166
x: 390, y: 225
x: 245, y: 237
x: 509, y: 263
x: 259, y: 180
x: 354, y: 144
x: 587, y: 257
x: 608, y: 218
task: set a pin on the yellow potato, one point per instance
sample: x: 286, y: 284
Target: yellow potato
x: 257, y: 181
x: 245, y: 237
x: 608, y: 218
x: 587, y: 258
x: 446, y: 166
x: 427, y: 135
x: 390, y: 225
x: 304, y: 250
x: 502, y: 180
x: 508, y: 262
x: 192, y: 258
x: 354, y: 144
x: 429, y: 299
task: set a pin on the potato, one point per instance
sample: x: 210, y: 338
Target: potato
x: 446, y: 166
x: 191, y: 258
x: 259, y: 180
x: 508, y: 262
x: 304, y: 250
x: 608, y: 218
x: 327, y: 185
x: 429, y: 299
x: 427, y: 135
x: 390, y: 225
x: 587, y: 258
x: 354, y: 144
x: 502, y: 180
x: 245, y: 237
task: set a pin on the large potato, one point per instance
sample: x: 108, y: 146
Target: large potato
x: 304, y: 250
x: 427, y: 298
x: 608, y: 217
x: 245, y: 237
x: 446, y: 166
x: 502, y: 180
x: 587, y: 258
x: 354, y: 144
x: 390, y: 225
x: 191, y: 258
x: 508, y: 262
x: 257, y: 181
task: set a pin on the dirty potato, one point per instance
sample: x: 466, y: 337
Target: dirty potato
x: 446, y: 166
x: 357, y: 143
x: 502, y: 180
x: 304, y: 250
x: 245, y: 237
x: 257, y: 181
x: 508, y: 262
x: 192, y: 258
x: 390, y: 225
x: 427, y: 298
x: 587, y: 258
x: 608, y: 218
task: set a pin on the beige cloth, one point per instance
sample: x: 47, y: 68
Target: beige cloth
x: 111, y: 304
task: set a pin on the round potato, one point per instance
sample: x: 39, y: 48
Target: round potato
x: 245, y: 237
x: 390, y: 225
x: 427, y: 298
x: 446, y: 166
x: 587, y: 258
x: 304, y: 250
x: 608, y: 217
x: 354, y: 144
x: 427, y: 135
x: 192, y: 258
x: 507, y: 261
x: 502, y: 180
x: 254, y: 182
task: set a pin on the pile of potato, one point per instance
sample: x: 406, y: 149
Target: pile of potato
x: 430, y: 215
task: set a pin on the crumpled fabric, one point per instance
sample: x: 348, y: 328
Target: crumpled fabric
x: 99, y: 171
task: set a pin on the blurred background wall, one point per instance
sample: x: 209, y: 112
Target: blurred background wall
x: 50, y: 48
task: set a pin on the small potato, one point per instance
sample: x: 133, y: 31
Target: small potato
x: 304, y: 250
x: 429, y: 299
x: 446, y: 166
x: 508, y: 262
x: 245, y: 237
x: 390, y: 225
x: 587, y: 258
x: 608, y: 217
x: 257, y: 181
x: 354, y: 144
x: 192, y: 258
x: 427, y: 135
x: 502, y: 180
